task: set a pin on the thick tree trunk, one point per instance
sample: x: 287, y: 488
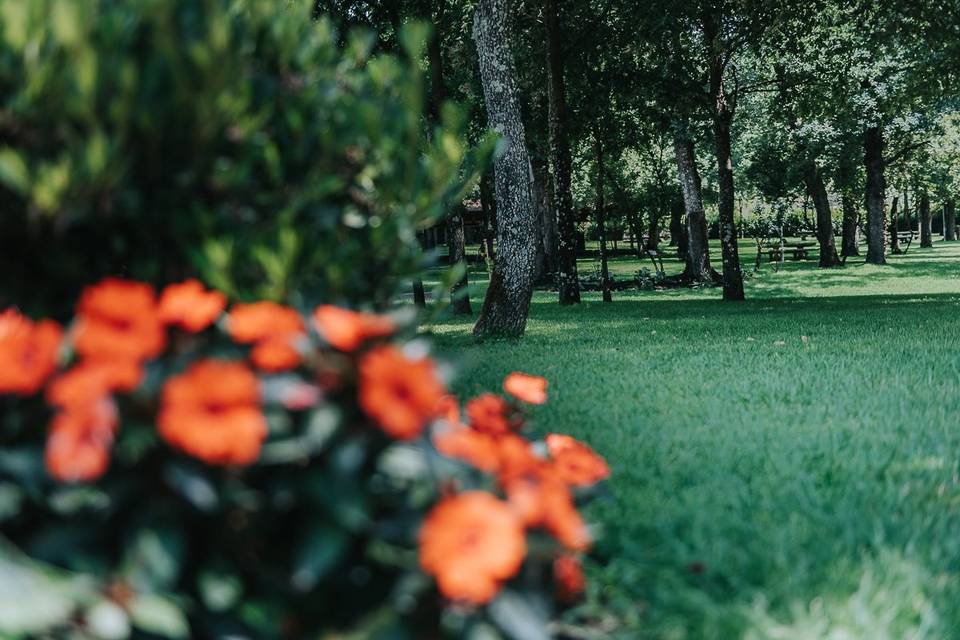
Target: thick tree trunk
x: 926, y: 222
x: 851, y: 230
x: 600, y: 206
x: 875, y: 195
x: 507, y: 303
x: 950, y: 221
x: 895, y: 227
x: 818, y: 192
x: 732, y: 274
x: 698, y: 267
x: 567, y: 277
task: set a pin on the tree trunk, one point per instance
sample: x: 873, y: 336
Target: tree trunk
x: 546, y: 219
x: 875, y: 195
x: 419, y: 293
x: 456, y: 246
x: 851, y: 230
x: 600, y: 206
x: 488, y: 206
x: 698, y: 267
x: 653, y: 236
x: 949, y: 221
x: 567, y: 278
x: 723, y: 116
x: 926, y: 222
x: 895, y: 227
x: 507, y: 303
x: 818, y: 192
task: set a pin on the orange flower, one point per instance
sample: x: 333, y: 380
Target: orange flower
x: 400, y: 394
x: 212, y: 412
x: 471, y: 543
x: 28, y: 352
x: 477, y: 449
x: 250, y: 323
x: 568, y: 577
x: 530, y: 389
x: 577, y: 464
x: 541, y: 499
x: 488, y: 413
x: 92, y: 380
x: 347, y: 330
x: 190, y: 306
x: 117, y: 319
x: 78, y: 447
x: 276, y: 354
x: 516, y: 456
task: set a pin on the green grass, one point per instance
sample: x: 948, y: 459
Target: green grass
x: 782, y: 468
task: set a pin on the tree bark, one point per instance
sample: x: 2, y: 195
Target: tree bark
x: 895, y: 226
x: 653, y: 236
x: 546, y: 219
x: 818, y: 192
x: 600, y: 206
x: 875, y: 195
x: 698, y: 267
x: 507, y: 302
x: 926, y: 222
x: 851, y: 230
x: 949, y: 221
x: 722, y: 119
x: 567, y: 278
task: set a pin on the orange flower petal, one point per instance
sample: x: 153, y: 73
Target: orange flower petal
x: 530, y: 389
x: 190, y: 306
x: 347, y: 330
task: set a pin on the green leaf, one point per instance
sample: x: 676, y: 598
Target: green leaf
x: 13, y: 171
x: 319, y: 553
x: 153, y: 560
x: 219, y: 591
x: 158, y: 615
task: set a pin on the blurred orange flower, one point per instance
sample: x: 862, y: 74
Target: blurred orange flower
x: 542, y: 499
x: 400, y: 394
x: 568, y: 576
x: 531, y: 389
x: 28, y: 352
x: 78, y: 446
x: 471, y: 543
x: 276, y: 354
x: 347, y: 330
x: 91, y: 380
x: 190, y: 306
x: 488, y: 413
x: 118, y: 320
x: 212, y: 412
x: 577, y: 464
x: 480, y: 450
x: 249, y: 323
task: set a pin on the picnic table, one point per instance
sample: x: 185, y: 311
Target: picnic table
x: 800, y: 250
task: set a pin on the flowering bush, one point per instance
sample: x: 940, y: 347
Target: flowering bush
x: 214, y: 470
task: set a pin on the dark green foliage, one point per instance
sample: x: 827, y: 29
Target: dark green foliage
x: 230, y: 138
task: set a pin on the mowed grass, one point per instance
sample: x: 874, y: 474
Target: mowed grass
x: 786, y: 468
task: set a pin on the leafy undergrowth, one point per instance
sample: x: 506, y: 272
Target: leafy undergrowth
x: 785, y: 468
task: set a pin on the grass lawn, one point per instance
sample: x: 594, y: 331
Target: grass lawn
x: 787, y: 468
